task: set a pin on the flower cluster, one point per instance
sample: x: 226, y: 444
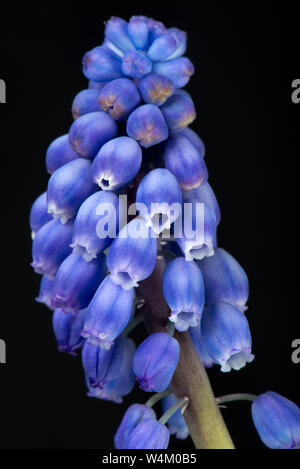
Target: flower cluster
x: 134, y: 101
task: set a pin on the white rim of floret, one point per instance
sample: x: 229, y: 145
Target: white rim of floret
x: 153, y: 221
x: 236, y: 360
x: 181, y: 433
x: 110, y: 183
x: 124, y: 279
x: 198, y: 252
x: 59, y: 213
x: 87, y: 254
x: 185, y: 319
x: 101, y: 340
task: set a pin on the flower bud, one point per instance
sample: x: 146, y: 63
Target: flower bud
x: 226, y: 336
x: 156, y: 89
x: 108, y: 373
x: 67, y: 329
x: 39, y: 215
x: 45, y: 293
x: 176, y: 423
x: 277, y: 421
x: 147, y: 125
x: 96, y: 224
x: 168, y: 46
x: 117, y: 163
x: 194, y: 139
x: 154, y: 362
x: 177, y: 70
x: 198, y: 237
x: 138, y: 31
x: 51, y: 246
x: 204, y: 194
x: 102, y: 64
x: 149, y: 434
x: 195, y: 333
x: 132, y: 255
x: 84, y: 102
x: 68, y: 187
x: 116, y: 32
x: 76, y: 282
x: 59, y: 153
x: 184, y: 160
x: 156, y: 29
x: 225, y: 280
x: 183, y: 289
x: 179, y: 111
x: 89, y: 132
x: 160, y: 193
x: 118, y: 98
x: 135, y: 64
x: 108, y: 314
x: 132, y: 417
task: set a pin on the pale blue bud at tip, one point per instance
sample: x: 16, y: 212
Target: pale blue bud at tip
x: 108, y: 314
x: 179, y: 111
x: 45, y: 293
x: 226, y: 336
x: 59, y: 153
x: 195, y: 333
x: 101, y: 65
x: 50, y: 247
x: 135, y: 64
x: 76, y: 282
x: 176, y: 423
x: 39, y: 215
x: 147, y: 125
x: 195, y: 139
x: 132, y: 255
x: 67, y: 329
x: 117, y: 163
x: 119, y: 98
x: 225, y: 280
x: 149, y: 434
x: 132, y: 417
x: 184, y: 160
x: 277, y: 421
x: 116, y: 32
x: 96, y: 224
x: 204, y: 194
x: 168, y: 46
x: 183, y: 290
x: 155, y: 361
x: 156, y: 29
x: 161, y: 188
x: 84, y: 102
x: 138, y: 31
x: 68, y: 187
x: 156, y: 89
x: 89, y: 132
x: 177, y: 70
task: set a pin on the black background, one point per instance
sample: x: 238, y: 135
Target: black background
x: 244, y: 66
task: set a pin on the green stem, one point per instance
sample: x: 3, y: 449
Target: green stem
x: 235, y: 397
x: 171, y: 411
x: 157, y: 397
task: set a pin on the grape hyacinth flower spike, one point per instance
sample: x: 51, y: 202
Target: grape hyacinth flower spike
x: 130, y: 152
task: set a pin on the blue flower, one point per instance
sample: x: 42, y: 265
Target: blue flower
x: 76, y: 282
x: 155, y: 361
x: 147, y: 125
x: 176, y: 423
x: 84, y: 102
x: 117, y: 163
x: 156, y: 89
x: 225, y: 280
x: 59, y: 153
x: 196, y: 336
x: 194, y: 139
x: 108, y: 314
x: 67, y: 329
x: 203, y: 194
x: 183, y: 289
x: 50, y: 247
x: 96, y: 224
x: 132, y: 255
x: 185, y: 161
x: 179, y: 111
x: 102, y: 64
x: 159, y: 192
x: 149, y: 434
x: 132, y: 417
x: 277, y: 421
x: 68, y: 187
x: 45, y: 293
x: 39, y: 215
x: 90, y: 131
x: 119, y: 98
x: 226, y: 336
